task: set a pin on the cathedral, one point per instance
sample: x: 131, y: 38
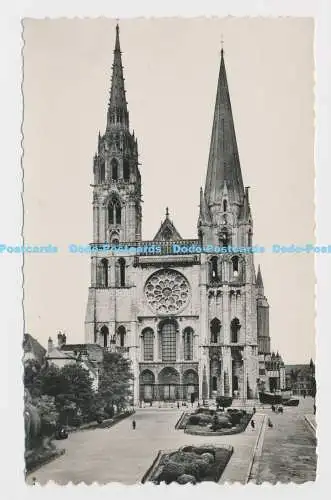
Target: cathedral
x: 191, y: 323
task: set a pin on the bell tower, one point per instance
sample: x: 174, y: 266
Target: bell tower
x: 117, y: 182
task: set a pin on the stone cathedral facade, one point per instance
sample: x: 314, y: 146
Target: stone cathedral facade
x: 190, y: 323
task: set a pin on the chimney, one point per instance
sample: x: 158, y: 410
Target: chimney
x: 61, y: 339
x: 50, y: 344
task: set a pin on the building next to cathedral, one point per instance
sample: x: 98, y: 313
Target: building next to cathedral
x: 190, y: 323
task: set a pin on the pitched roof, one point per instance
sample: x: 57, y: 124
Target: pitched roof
x: 93, y: 351
x: 167, y: 231
x: 30, y: 344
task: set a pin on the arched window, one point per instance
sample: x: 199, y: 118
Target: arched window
x: 214, y: 384
x: 121, y: 263
x: 126, y: 170
x: 102, y: 170
x: 121, y: 333
x: 188, y: 344
x: 235, y: 265
x: 235, y: 327
x: 225, y: 205
x: 215, y: 328
x: 168, y: 342
x: 118, y: 213
x: 148, y: 343
x: 114, y: 169
x: 114, y: 212
x: 214, y: 268
x: 235, y: 384
x: 104, y: 332
x: 104, y: 274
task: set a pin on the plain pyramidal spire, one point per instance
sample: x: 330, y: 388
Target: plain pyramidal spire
x: 223, y: 163
x: 117, y: 110
x: 259, y: 280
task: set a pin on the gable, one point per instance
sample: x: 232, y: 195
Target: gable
x: 167, y: 232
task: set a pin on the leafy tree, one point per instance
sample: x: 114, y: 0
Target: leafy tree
x: 114, y: 382
x: 52, y: 382
x: 78, y: 391
x: 32, y: 381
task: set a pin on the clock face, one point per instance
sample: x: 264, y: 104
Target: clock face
x: 167, y: 291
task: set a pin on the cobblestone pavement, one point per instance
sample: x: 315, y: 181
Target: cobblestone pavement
x: 123, y: 455
x: 289, y: 448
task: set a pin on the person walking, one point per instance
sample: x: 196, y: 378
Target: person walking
x: 252, y: 424
x: 133, y: 424
x: 270, y: 424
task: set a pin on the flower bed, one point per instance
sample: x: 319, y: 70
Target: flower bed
x: 189, y: 464
x: 206, y: 422
x: 109, y: 422
x: 41, y: 456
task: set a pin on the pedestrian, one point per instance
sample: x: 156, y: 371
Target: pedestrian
x: 133, y: 424
x: 178, y: 405
x: 270, y: 423
x: 254, y: 410
x: 273, y: 408
x: 252, y: 424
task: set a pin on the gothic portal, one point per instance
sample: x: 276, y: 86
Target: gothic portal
x: 190, y: 323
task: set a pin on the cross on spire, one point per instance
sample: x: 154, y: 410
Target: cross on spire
x: 222, y: 43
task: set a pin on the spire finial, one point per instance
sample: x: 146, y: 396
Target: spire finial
x: 167, y: 212
x: 222, y: 44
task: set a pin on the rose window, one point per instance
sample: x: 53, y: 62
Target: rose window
x: 167, y: 291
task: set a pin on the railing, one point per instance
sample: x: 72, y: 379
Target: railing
x: 149, y: 247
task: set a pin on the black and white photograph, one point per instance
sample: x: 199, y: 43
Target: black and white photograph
x: 169, y: 250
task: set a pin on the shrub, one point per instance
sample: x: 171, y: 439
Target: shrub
x: 194, y: 420
x: 76, y: 421
x: 209, y: 457
x: 205, y: 419
x: 186, y: 478
x: 224, y: 401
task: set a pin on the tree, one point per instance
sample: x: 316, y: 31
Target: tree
x: 32, y: 381
x: 78, y: 391
x: 115, y: 378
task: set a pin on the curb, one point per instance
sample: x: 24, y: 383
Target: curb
x: 252, y: 469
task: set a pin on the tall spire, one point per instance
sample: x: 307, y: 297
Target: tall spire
x: 118, y: 115
x: 223, y: 162
x: 259, y: 280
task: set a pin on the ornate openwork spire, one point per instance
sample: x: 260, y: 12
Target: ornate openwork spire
x: 223, y: 162
x: 118, y: 115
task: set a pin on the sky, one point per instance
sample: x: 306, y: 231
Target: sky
x: 170, y: 68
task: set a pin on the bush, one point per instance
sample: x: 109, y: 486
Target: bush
x: 194, y: 420
x: 235, y: 416
x: 186, y: 478
x: 224, y: 401
x: 76, y: 421
x: 205, y: 419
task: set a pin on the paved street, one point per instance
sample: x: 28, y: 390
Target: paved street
x: 289, y: 453
x: 120, y: 454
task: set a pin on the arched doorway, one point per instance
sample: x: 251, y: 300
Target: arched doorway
x: 168, y: 381
x: 190, y: 384
x: 146, y: 386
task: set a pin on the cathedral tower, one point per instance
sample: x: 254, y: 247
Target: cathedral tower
x: 117, y: 184
x: 228, y: 279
